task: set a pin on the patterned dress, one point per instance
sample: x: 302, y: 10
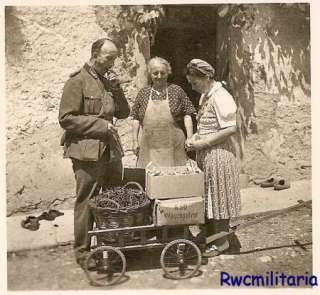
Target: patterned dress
x: 219, y: 165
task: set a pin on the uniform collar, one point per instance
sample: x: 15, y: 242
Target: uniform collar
x: 91, y: 70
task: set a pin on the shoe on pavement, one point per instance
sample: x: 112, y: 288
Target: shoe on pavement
x: 31, y: 223
x: 269, y: 182
x: 281, y: 184
x: 214, y: 250
x: 51, y: 215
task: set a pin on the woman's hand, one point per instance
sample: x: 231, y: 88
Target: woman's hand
x: 135, y: 148
x: 188, y: 143
x: 195, y: 143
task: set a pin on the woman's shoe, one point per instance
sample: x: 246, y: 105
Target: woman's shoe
x: 281, y: 184
x: 215, y: 250
x: 211, y: 251
x: 31, y: 223
x: 53, y: 214
x: 269, y: 182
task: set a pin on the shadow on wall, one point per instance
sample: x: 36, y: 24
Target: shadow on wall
x: 133, y: 28
x: 263, y: 48
x: 15, y: 42
x: 288, y: 37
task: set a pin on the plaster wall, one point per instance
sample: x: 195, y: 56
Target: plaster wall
x: 264, y: 54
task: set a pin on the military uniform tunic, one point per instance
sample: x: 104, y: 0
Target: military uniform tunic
x: 89, y: 101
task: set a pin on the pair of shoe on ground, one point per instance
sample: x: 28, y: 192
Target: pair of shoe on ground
x: 278, y: 184
x: 32, y: 222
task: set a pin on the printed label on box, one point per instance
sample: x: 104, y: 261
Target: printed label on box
x: 179, y: 211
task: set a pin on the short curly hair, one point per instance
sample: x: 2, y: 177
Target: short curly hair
x: 161, y: 61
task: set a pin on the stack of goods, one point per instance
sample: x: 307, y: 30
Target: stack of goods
x: 178, y: 193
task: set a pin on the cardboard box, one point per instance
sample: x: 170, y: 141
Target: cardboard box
x: 168, y: 185
x: 179, y: 211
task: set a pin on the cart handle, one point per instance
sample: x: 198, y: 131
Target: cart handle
x: 136, y: 184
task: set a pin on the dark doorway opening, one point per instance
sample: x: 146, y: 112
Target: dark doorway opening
x: 188, y: 31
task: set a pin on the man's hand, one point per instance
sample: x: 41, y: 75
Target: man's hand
x: 111, y: 128
x: 113, y: 79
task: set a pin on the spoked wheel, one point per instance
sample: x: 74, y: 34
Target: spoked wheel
x: 105, y: 266
x: 180, y: 259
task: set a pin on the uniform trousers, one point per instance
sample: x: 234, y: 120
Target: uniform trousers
x: 104, y: 172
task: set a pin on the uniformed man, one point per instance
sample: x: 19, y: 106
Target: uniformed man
x: 91, y: 98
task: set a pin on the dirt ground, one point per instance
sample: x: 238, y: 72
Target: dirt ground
x: 267, y: 246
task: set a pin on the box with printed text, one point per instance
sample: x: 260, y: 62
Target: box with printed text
x: 179, y: 211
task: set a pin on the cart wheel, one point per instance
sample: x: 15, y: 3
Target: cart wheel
x: 180, y: 259
x: 105, y: 266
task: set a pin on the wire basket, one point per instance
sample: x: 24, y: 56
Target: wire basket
x: 120, y: 207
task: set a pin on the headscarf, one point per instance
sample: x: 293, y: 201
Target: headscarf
x: 201, y: 66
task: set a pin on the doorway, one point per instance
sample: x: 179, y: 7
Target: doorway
x: 188, y: 31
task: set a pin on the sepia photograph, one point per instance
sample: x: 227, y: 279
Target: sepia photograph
x: 158, y: 146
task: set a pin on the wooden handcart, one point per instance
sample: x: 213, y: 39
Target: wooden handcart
x: 106, y: 264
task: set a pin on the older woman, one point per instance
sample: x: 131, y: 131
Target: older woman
x: 159, y: 113
x: 215, y: 154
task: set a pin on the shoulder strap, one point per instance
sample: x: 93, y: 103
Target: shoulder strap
x: 75, y: 73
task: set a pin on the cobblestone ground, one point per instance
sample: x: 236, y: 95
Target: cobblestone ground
x: 267, y: 246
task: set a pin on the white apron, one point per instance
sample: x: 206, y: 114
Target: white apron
x: 161, y: 142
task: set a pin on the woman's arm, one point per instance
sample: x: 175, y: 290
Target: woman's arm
x: 198, y: 143
x: 187, y: 109
x: 220, y: 136
x: 135, y: 136
x: 188, y: 125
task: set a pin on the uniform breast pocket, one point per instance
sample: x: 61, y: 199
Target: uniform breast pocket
x: 92, y: 105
